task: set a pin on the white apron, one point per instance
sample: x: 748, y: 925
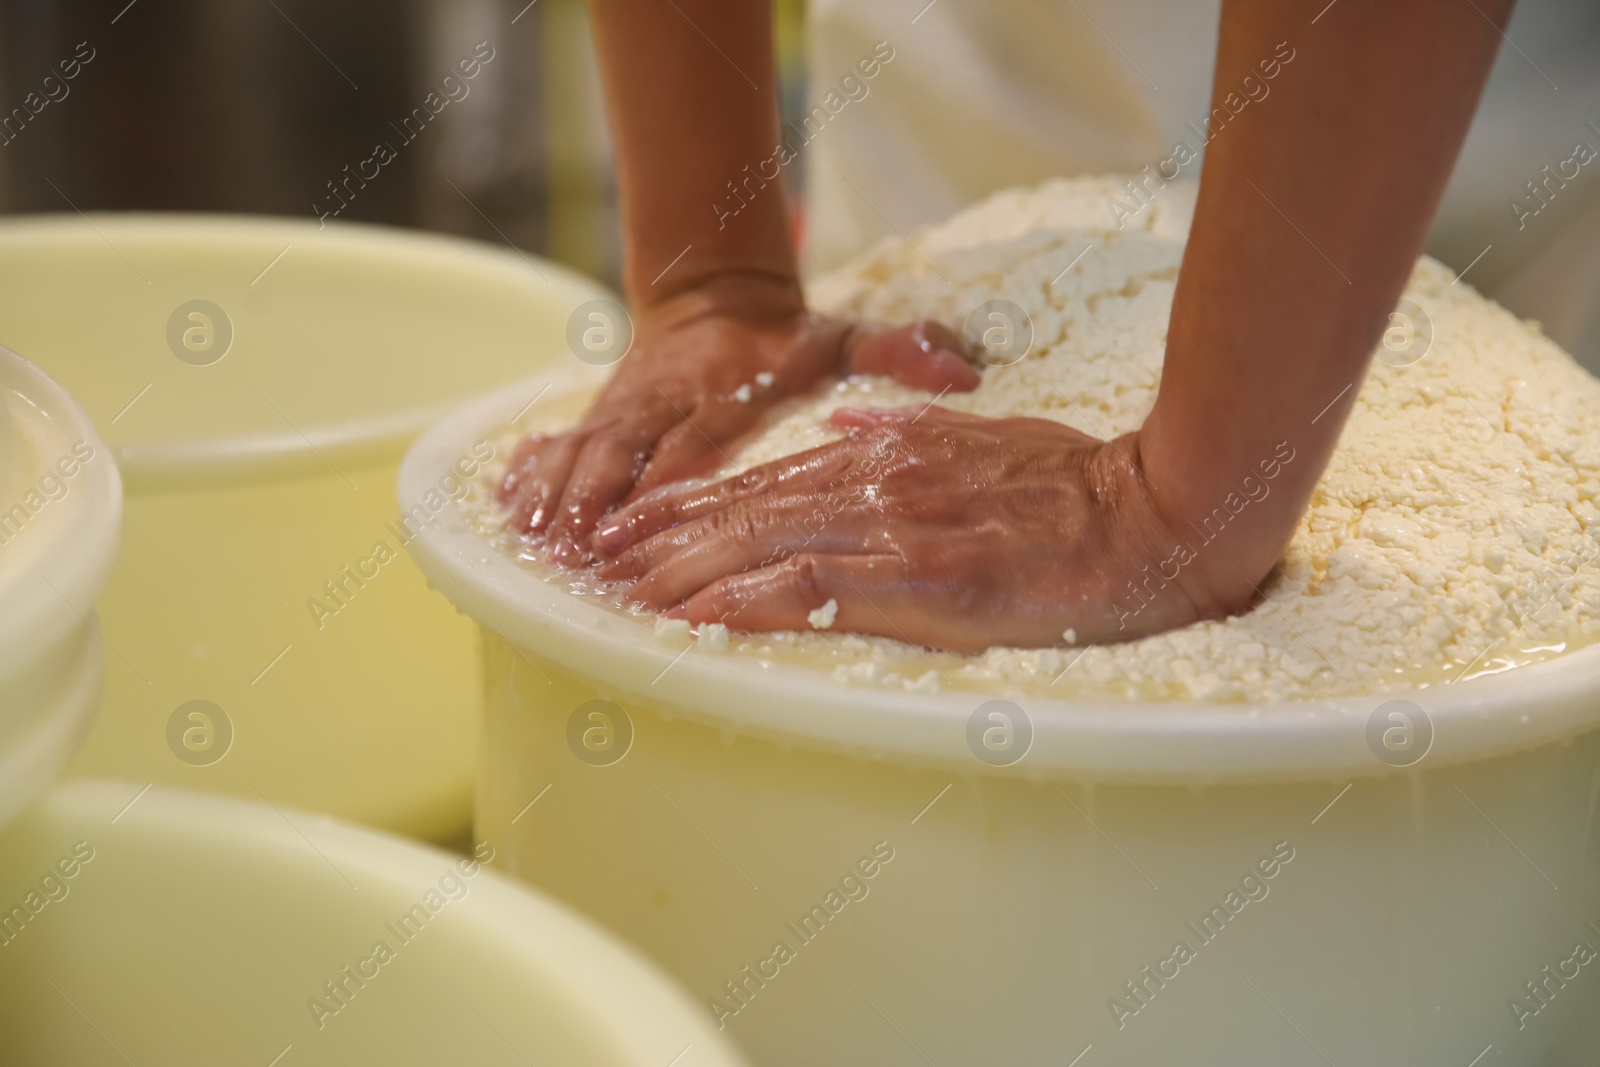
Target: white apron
x: 985, y: 94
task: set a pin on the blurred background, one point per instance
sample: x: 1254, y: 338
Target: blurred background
x: 262, y: 105
x: 258, y: 105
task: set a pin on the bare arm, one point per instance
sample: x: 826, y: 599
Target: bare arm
x: 721, y: 332
x: 1313, y: 206
x: 1312, y: 210
x: 691, y: 96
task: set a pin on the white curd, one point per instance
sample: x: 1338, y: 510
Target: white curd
x: 1448, y: 538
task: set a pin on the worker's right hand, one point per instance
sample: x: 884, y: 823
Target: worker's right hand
x: 673, y: 409
x: 935, y: 527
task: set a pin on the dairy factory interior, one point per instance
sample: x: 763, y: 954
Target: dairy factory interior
x: 672, y: 533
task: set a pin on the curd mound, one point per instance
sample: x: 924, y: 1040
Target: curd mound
x: 1448, y: 538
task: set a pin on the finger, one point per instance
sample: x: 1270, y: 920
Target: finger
x: 545, y: 476
x: 696, y: 445
x: 867, y: 418
x: 928, y: 414
x: 602, y: 474
x: 674, y: 565
x: 638, y: 559
x: 683, y: 452
x: 519, y: 467
x: 667, y: 507
x: 924, y: 355
x: 868, y: 592
x: 931, y: 416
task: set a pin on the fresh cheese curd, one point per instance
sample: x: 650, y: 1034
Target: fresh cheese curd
x: 1448, y: 538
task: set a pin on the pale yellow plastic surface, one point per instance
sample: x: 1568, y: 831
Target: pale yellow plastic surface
x: 1021, y: 901
x: 60, y: 518
x: 257, y: 478
x: 200, y: 929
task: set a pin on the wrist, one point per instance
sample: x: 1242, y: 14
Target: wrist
x: 742, y: 293
x: 1234, y: 515
x: 1159, y: 553
x: 661, y: 266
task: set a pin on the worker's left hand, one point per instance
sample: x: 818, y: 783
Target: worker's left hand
x: 935, y: 527
x: 706, y: 366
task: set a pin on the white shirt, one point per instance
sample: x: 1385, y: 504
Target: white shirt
x: 985, y: 94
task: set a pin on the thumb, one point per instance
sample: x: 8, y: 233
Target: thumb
x: 923, y: 355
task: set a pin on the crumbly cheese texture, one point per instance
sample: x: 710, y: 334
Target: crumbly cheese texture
x: 822, y: 618
x: 1449, y: 536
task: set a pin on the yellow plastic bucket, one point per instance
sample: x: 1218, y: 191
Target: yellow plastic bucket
x: 1110, y: 883
x: 160, y: 926
x: 257, y: 381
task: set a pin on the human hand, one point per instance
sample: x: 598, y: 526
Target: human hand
x: 938, y: 528
x: 674, y: 402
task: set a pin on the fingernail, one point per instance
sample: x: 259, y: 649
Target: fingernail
x: 679, y: 612
x: 612, y: 537
x: 564, y: 553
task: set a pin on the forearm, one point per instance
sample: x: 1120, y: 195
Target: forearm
x: 690, y: 94
x: 1312, y: 210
